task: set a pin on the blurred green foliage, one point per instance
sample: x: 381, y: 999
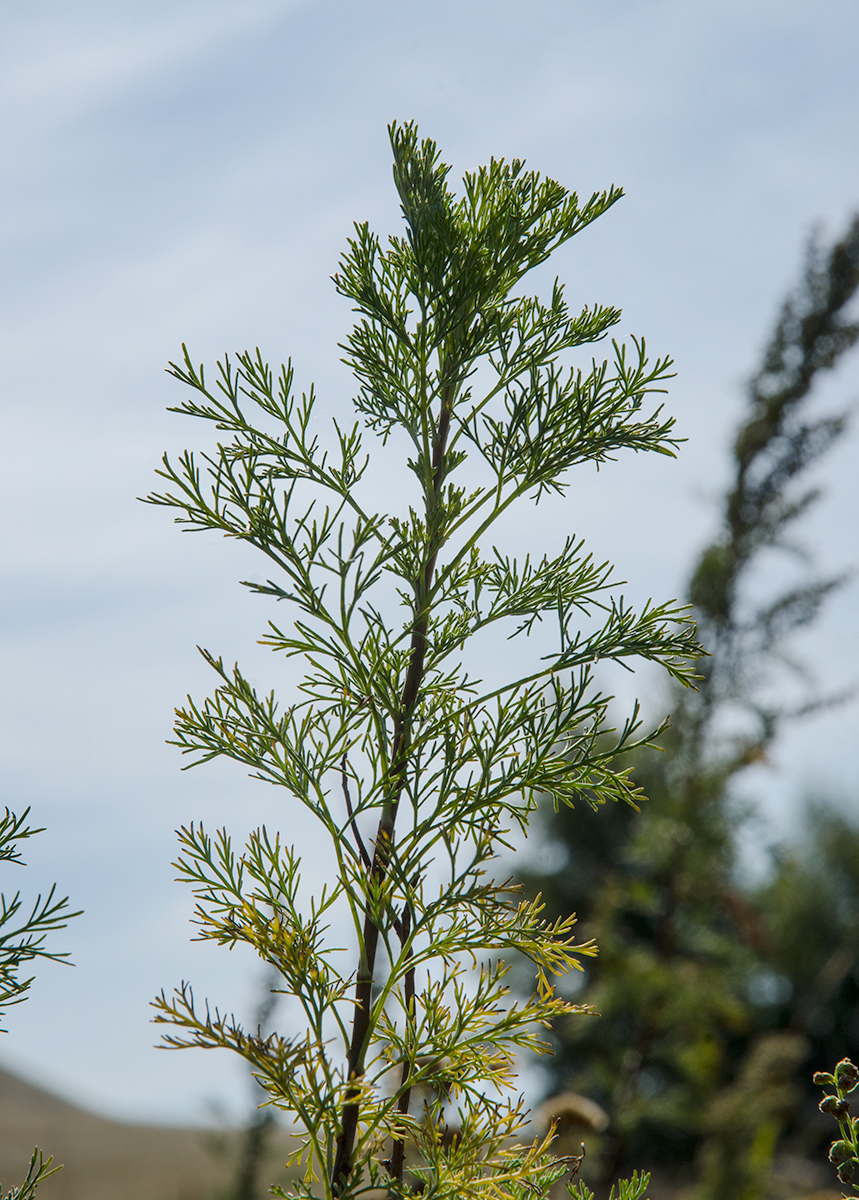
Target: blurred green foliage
x: 718, y: 997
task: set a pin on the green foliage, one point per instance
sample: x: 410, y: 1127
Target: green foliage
x: 624, y: 1189
x: 401, y: 1078
x: 22, y: 941
x: 686, y: 955
x: 22, y: 937
x: 39, y: 1170
x: 802, y: 991
x: 810, y: 910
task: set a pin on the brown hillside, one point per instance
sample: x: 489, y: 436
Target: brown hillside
x: 110, y: 1160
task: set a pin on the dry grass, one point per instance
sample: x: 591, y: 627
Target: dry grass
x: 110, y: 1160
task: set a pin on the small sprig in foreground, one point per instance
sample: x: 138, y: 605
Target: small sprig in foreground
x: 40, y: 1169
x: 624, y: 1189
x: 403, y: 1076
x: 843, y: 1153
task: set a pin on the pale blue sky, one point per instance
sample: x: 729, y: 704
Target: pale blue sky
x: 189, y: 170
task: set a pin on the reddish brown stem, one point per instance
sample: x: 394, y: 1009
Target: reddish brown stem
x: 398, y: 1154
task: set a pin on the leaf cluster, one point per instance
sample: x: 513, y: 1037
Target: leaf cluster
x: 39, y: 1170
x: 23, y: 934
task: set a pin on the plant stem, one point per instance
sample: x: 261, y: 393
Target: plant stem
x: 385, y: 833
x: 398, y: 1154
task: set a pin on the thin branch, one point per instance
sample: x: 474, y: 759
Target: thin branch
x: 365, y: 857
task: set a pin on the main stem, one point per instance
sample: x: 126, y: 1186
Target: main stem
x: 398, y: 1153
x: 343, y: 1163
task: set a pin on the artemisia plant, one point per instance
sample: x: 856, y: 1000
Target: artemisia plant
x: 414, y: 762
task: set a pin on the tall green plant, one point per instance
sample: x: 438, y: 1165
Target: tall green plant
x: 402, y: 1077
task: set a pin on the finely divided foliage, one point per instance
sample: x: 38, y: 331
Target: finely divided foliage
x: 23, y: 938
x: 402, y: 1077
